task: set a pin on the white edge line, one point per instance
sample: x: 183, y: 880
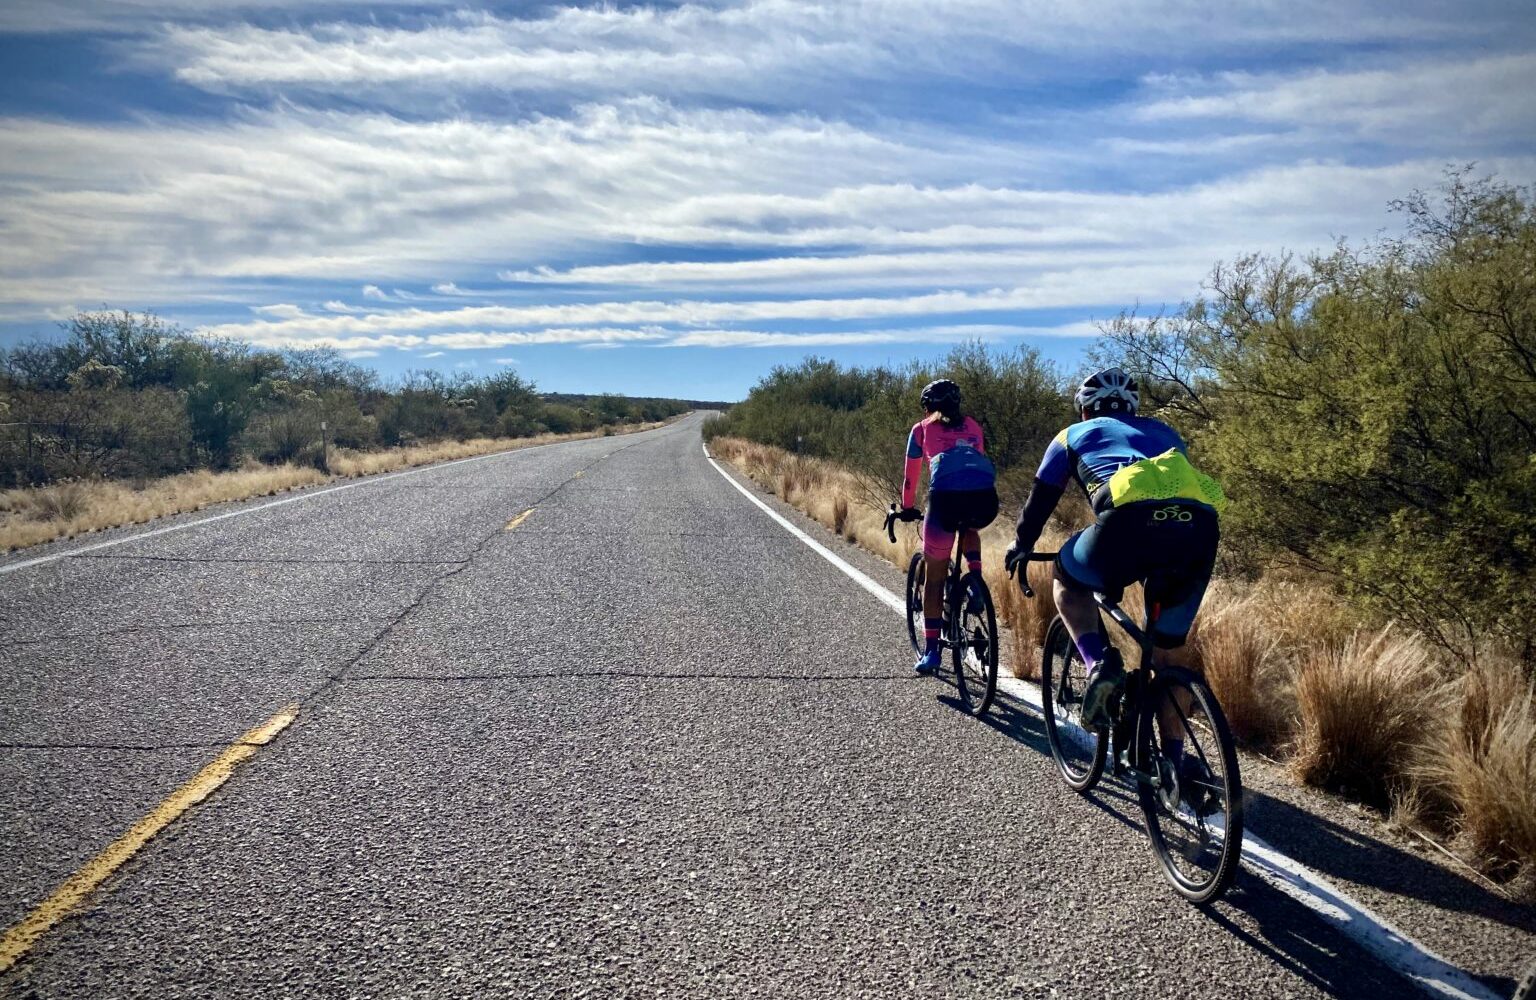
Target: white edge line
x: 1433, y: 974
x: 884, y: 596
x: 306, y: 495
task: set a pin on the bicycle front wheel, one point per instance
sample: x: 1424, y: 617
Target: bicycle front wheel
x: 975, y: 647
x: 1078, y: 749
x: 1194, y: 810
x: 917, y: 576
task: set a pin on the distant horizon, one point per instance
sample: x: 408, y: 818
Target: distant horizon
x: 671, y: 199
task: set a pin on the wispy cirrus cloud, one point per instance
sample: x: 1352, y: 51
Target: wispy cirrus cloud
x: 1443, y: 97
x: 648, y: 176
x: 743, y: 50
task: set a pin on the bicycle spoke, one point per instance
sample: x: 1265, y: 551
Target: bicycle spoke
x: 1189, y: 807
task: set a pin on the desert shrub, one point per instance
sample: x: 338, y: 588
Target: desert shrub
x: 859, y: 417
x: 1372, y: 411
x: 128, y: 396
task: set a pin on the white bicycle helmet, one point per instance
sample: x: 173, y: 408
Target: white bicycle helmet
x: 1108, y: 390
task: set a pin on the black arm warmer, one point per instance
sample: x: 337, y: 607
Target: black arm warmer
x: 1037, y: 510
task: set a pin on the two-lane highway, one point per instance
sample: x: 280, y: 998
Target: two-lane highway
x: 639, y: 742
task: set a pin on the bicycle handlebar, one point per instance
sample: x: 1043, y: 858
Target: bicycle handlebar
x: 893, y: 516
x: 1024, y: 578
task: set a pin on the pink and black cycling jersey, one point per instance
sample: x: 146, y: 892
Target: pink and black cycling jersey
x: 956, y: 459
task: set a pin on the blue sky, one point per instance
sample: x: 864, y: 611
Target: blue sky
x: 670, y: 199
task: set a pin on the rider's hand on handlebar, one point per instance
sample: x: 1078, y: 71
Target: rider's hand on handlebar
x: 909, y: 514
x: 1016, y: 555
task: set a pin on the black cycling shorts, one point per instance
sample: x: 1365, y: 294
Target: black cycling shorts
x: 952, y: 511
x: 1169, y: 545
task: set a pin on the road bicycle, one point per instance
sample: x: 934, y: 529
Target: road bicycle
x: 1194, y: 813
x: 970, y: 624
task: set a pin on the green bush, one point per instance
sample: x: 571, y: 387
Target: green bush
x: 1372, y: 411
x: 860, y: 417
x: 122, y: 395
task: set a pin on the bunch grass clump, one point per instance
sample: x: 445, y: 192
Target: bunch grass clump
x: 1363, y: 707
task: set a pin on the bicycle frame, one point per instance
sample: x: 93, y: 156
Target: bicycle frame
x: 951, y: 579
x: 1123, y: 735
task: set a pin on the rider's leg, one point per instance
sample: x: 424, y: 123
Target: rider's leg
x: 933, y: 588
x: 1173, y: 598
x: 1080, y: 612
x: 937, y: 544
x: 970, y: 544
x: 1169, y: 726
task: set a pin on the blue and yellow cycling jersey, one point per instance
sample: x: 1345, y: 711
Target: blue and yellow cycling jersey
x: 1121, y: 460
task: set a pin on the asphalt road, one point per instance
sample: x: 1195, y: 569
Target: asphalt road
x: 645, y: 743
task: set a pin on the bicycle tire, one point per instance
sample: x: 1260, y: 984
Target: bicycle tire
x: 1056, y: 659
x: 916, y: 575
x: 1199, y: 891
x: 975, y: 678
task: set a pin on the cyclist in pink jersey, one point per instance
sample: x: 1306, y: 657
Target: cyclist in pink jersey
x: 962, y: 498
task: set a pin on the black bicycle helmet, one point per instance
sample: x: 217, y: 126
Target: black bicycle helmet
x: 1108, y: 390
x: 942, y: 395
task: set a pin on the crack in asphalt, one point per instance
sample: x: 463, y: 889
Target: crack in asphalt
x: 172, y: 626
x: 320, y: 692
x: 637, y: 674
x: 140, y: 747
x: 276, y: 560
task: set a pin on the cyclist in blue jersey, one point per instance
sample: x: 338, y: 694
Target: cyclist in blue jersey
x: 1156, y: 520
x: 962, y: 497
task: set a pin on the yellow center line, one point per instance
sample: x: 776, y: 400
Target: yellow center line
x: 519, y: 519
x: 22, y: 936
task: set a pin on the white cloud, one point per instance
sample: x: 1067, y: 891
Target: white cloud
x: 121, y: 15
x: 279, y: 310
x: 957, y: 269
x: 746, y: 50
x: 1078, y: 289
x: 888, y: 220
x: 354, y: 355
x: 928, y: 335
x: 434, y: 354
x: 506, y: 361
x: 1486, y: 96
x: 156, y: 209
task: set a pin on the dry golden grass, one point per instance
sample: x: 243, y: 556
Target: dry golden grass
x: 1477, y: 772
x: 65, y: 510
x: 1243, y: 662
x: 1027, y: 618
x: 1363, y: 708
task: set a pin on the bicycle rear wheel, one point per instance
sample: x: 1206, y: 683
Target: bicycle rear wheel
x: 975, y: 648
x: 916, y: 576
x: 1195, y: 813
x: 1079, y: 750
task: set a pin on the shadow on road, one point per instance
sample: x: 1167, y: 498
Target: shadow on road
x: 1284, y: 931
x: 1336, y: 850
